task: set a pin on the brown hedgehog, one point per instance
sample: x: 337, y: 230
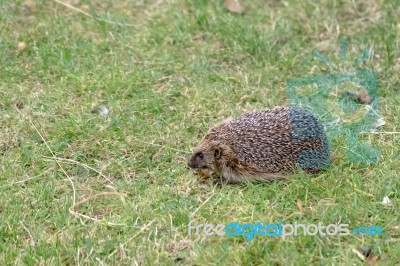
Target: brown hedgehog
x: 262, y: 146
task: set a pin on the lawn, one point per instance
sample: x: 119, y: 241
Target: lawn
x: 101, y: 103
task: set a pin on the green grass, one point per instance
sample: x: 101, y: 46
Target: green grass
x: 174, y: 71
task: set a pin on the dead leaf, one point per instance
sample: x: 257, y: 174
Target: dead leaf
x: 369, y: 255
x: 364, y: 98
x: 102, y: 110
x: 366, y: 255
x: 366, y: 251
x: 233, y: 6
x: 300, y: 206
x: 174, y: 247
x: 359, y: 97
x: 359, y: 254
x: 379, y: 123
x: 18, y: 103
x: 21, y: 46
x: 386, y: 201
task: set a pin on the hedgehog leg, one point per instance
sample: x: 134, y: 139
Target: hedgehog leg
x: 204, y: 174
x: 227, y: 177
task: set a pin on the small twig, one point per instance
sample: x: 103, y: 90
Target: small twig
x: 74, y: 8
x: 30, y: 235
x: 94, y: 17
x: 163, y: 146
x: 363, y: 192
x: 359, y: 254
x: 132, y: 237
x: 101, y: 263
x: 201, y: 205
x: 70, y: 161
x: 25, y: 180
x: 78, y: 214
x: 54, y: 157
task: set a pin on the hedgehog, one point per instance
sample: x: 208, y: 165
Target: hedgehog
x: 264, y: 145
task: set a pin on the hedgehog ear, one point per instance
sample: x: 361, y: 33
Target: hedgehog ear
x: 217, y: 153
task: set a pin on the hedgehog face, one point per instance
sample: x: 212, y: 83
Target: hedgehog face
x: 205, y: 157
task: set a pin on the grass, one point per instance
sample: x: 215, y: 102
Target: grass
x: 167, y: 71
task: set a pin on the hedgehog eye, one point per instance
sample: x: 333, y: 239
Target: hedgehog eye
x: 200, y: 154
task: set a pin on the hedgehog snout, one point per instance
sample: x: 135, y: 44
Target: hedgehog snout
x: 193, y: 164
